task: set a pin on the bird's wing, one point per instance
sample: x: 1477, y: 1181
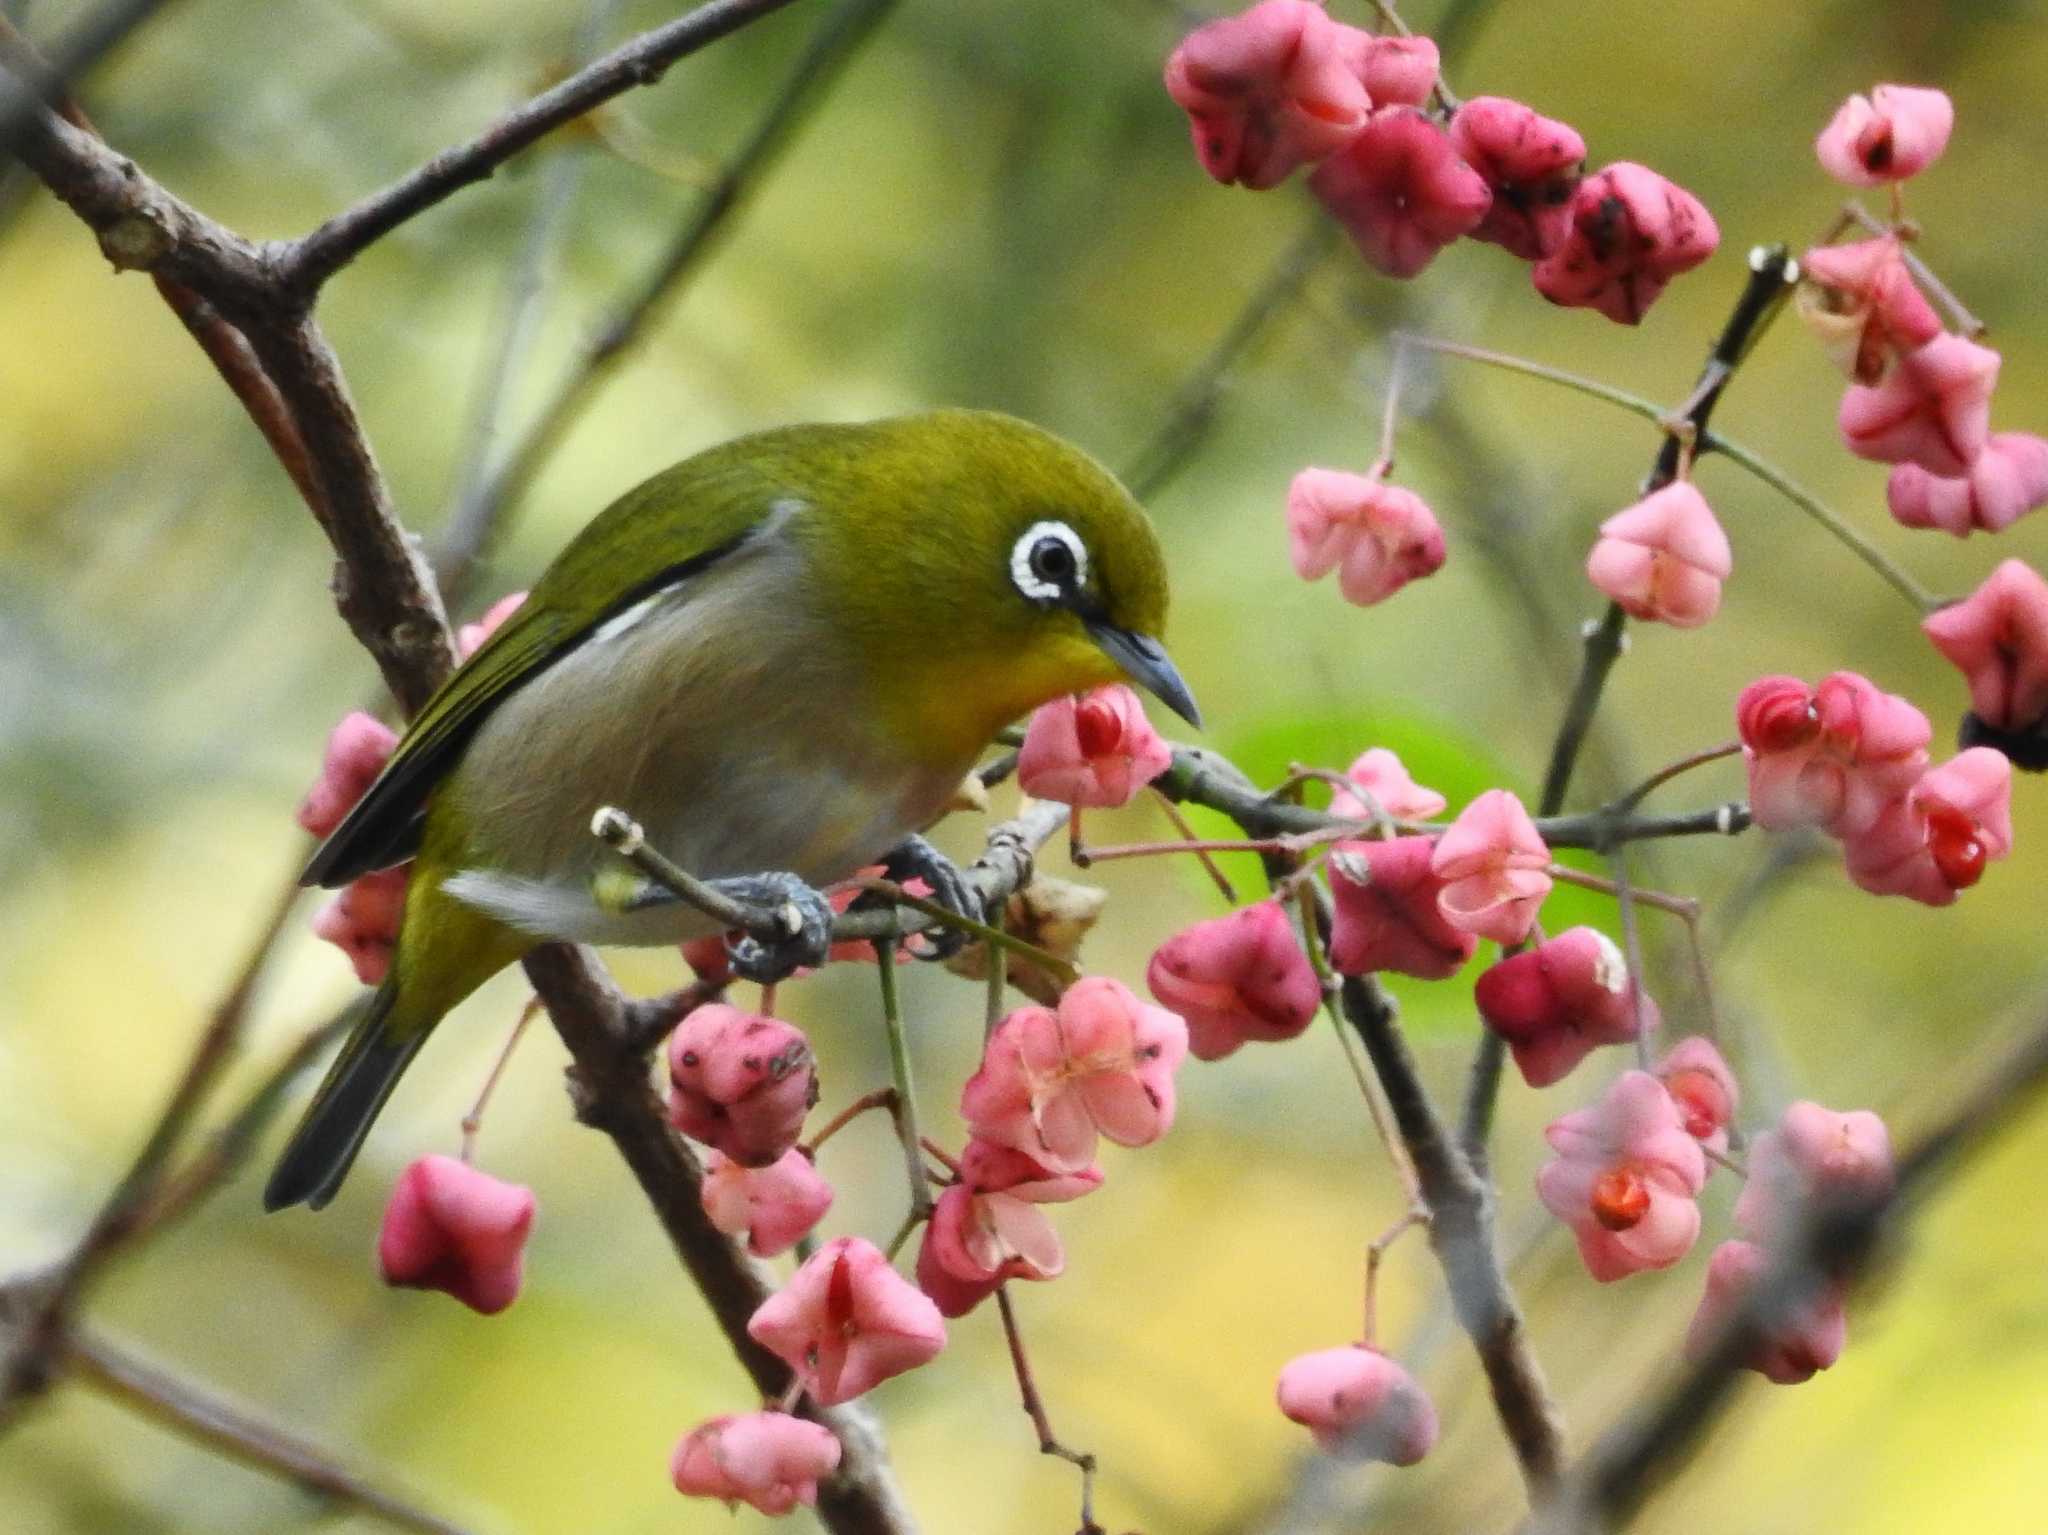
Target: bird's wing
x: 696, y: 514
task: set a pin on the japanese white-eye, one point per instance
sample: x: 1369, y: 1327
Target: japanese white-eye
x: 780, y: 656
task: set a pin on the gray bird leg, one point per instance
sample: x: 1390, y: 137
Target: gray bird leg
x: 804, y: 914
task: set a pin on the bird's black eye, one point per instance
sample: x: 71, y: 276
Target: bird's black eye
x: 1049, y: 562
x: 1052, y: 560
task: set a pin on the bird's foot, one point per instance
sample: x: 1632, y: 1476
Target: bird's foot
x: 915, y: 858
x: 803, y: 917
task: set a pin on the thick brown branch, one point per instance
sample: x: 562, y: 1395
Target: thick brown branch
x: 141, y: 226
x: 309, y: 262
x: 225, y: 291
x: 610, y: 1086
x: 382, y: 585
x: 235, y: 360
x: 386, y: 593
x: 1461, y: 1232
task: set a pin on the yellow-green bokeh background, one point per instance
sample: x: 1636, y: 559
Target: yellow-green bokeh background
x: 996, y: 208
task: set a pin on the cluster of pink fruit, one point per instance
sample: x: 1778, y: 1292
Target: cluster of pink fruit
x: 1406, y: 170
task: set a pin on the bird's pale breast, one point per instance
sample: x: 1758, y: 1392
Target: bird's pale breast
x: 725, y: 721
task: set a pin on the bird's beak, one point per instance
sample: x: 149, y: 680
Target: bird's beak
x: 1144, y: 660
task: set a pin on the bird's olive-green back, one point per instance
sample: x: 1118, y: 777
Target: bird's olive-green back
x: 907, y: 526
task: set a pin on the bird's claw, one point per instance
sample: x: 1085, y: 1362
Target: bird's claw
x: 915, y: 858
x: 804, y: 920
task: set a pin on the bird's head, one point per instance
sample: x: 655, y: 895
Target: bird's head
x: 992, y: 567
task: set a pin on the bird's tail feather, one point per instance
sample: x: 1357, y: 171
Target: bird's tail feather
x: 338, y: 1120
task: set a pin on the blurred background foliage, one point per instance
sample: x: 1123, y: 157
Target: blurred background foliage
x: 995, y: 207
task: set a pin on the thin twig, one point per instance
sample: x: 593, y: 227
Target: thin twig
x: 1632, y: 953
x: 1375, y: 1254
x: 1201, y: 777
x: 1604, y: 642
x: 1440, y: 1179
x: 225, y: 347
x: 1209, y: 865
x: 1702, y: 972
x: 473, y: 1121
x: 1944, y: 295
x: 1722, y: 1159
x: 1461, y: 1234
x: 1084, y: 856
x: 1664, y: 775
x: 1772, y: 274
x: 1713, y: 442
x: 945, y: 916
x: 1685, y: 908
x: 467, y: 531
x: 1390, y: 417
x: 1624, y: 892
x: 1034, y: 1407
x: 904, y: 1109
x: 610, y: 1088
x: 1706, y: 441
x: 626, y: 837
x: 880, y: 1098
x: 994, y: 995
x: 1315, y: 919
x: 1893, y: 574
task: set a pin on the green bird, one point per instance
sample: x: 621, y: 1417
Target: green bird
x: 781, y: 657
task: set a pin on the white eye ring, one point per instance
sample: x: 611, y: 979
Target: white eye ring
x: 1029, y: 581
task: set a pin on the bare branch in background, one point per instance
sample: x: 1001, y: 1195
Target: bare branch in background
x: 838, y: 39
x: 25, y: 91
x: 1834, y: 1243
x: 1192, y: 410
x: 307, y: 263
x: 211, y: 1421
x: 37, y: 1336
